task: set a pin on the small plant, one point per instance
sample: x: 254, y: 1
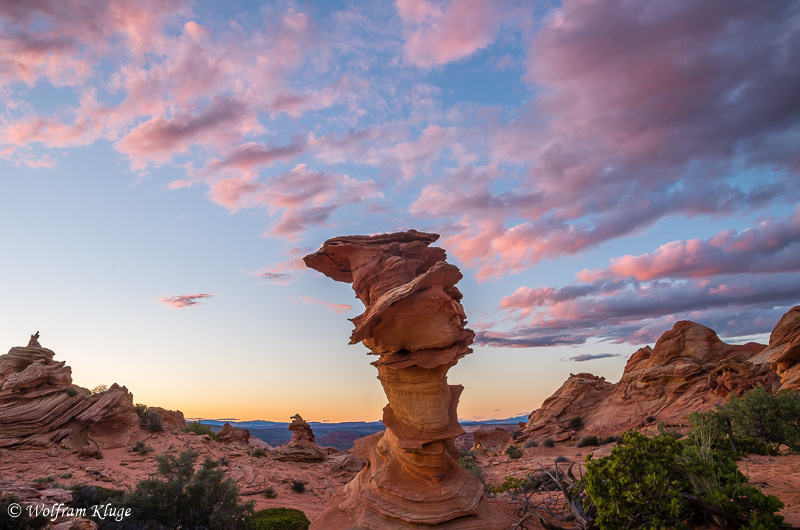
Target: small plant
x: 590, y: 439
x: 270, y: 493
x: 531, y: 443
x: 650, y: 419
x: 515, y: 434
x: 99, y: 389
x: 67, y: 474
x: 98, y: 455
x: 611, y: 440
x: 140, y: 447
x: 72, y: 391
x: 259, y: 453
x: 470, y: 465
x: 298, y: 486
x: 45, y: 480
x: 140, y: 409
x: 549, y: 443
x: 153, y: 421
x: 513, y: 452
x: 576, y: 423
x: 201, y: 429
x: 561, y: 458
x: 278, y: 519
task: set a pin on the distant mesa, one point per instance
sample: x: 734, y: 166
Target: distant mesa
x: 415, y: 324
x: 689, y: 369
x: 302, y: 447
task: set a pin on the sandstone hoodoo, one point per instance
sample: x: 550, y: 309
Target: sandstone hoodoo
x: 228, y: 434
x: 302, y: 447
x: 39, y: 404
x: 415, y: 324
x: 783, y: 352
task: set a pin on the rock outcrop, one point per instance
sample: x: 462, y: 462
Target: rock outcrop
x: 490, y: 439
x: 783, y: 352
x: 415, y: 324
x: 302, y: 447
x: 39, y: 405
x: 689, y: 369
x: 173, y: 419
x: 228, y: 434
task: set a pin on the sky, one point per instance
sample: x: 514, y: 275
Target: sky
x: 598, y: 171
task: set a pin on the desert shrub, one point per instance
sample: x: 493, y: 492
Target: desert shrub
x: 66, y: 474
x: 99, y: 389
x: 590, y: 439
x: 153, y: 421
x: 140, y: 409
x: 650, y: 419
x: 663, y: 482
x: 23, y: 521
x: 270, y: 493
x: 513, y: 452
x: 200, y: 429
x: 610, y: 440
x: 515, y: 434
x: 531, y: 443
x: 87, y: 496
x: 663, y: 430
x: 98, y: 455
x: 561, y: 458
x: 140, y: 447
x: 182, y: 497
x: 259, y: 453
x: 468, y: 462
x: 549, y: 443
x: 278, y: 519
x: 72, y: 391
x: 576, y: 423
x: 298, y: 486
x: 45, y: 480
x: 760, y: 421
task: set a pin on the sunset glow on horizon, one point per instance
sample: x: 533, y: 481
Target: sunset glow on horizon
x: 597, y: 170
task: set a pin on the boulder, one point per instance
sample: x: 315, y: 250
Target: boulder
x: 229, y: 434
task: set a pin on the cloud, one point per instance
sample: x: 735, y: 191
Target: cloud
x: 183, y: 301
x: 591, y: 356
x: 272, y: 275
x: 439, y: 34
x: 336, y: 308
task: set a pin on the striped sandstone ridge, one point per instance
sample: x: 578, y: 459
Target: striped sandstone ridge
x: 783, y: 352
x: 414, y: 323
x: 689, y: 369
x: 40, y: 406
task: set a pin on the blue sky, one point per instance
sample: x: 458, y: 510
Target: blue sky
x: 598, y: 170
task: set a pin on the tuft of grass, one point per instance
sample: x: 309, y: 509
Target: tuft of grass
x: 590, y: 439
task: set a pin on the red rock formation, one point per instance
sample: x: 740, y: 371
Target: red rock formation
x: 783, y: 352
x: 302, y: 447
x: 490, y: 439
x: 689, y: 369
x: 171, y: 418
x: 39, y: 405
x: 229, y: 434
x: 414, y: 322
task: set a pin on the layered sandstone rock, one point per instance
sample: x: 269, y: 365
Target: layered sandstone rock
x: 39, y: 405
x: 229, y: 434
x: 414, y: 323
x: 689, y: 369
x: 173, y: 419
x: 302, y: 447
x: 490, y: 439
x: 783, y: 352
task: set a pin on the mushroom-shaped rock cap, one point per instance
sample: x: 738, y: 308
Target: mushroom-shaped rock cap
x: 333, y: 257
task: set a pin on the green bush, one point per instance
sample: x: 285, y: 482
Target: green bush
x: 611, y: 439
x: 278, y: 519
x: 468, y: 462
x: 576, y: 423
x: 590, y: 439
x: 663, y: 482
x: 152, y: 421
x: 140, y: 409
x: 140, y: 447
x: 23, y: 521
x: 549, y: 443
x: 259, y: 453
x: 99, y: 389
x: 72, y: 391
x: 200, y: 429
x: 270, y: 493
x: 513, y: 452
x: 182, y: 497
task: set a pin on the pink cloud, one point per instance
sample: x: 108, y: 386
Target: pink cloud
x: 440, y: 34
x: 183, y: 301
x: 336, y: 308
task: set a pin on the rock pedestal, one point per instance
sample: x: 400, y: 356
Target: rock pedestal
x: 414, y: 323
x: 302, y: 447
